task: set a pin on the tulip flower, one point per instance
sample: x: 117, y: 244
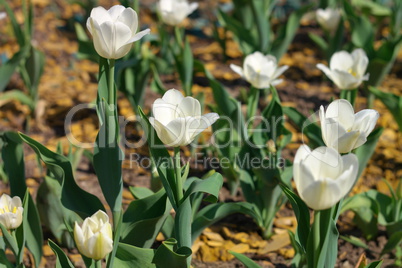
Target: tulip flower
x: 344, y: 130
x: 173, y: 12
x: 177, y: 119
x: 328, y: 18
x: 260, y: 70
x: 114, y: 30
x: 11, y: 211
x: 323, y: 176
x: 347, y: 70
x: 94, y: 239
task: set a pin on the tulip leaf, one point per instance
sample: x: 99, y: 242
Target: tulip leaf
x: 392, y: 102
x: 362, y: 33
x: 162, y: 159
x: 302, y: 215
x: 376, y: 264
x: 73, y: 197
x: 215, y: 212
x: 319, y: 41
x: 365, y: 151
x: 62, y: 261
x: 140, y: 192
x: 144, y: 218
x: 4, y: 262
x: 393, y: 242
x: 10, y: 241
x: 128, y: 256
x: 249, y: 263
x: 307, y: 127
x: 355, y: 241
x: 18, y: 96
x: 185, y: 64
x: 165, y: 254
x: 210, y: 185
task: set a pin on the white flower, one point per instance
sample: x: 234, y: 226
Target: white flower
x: 344, y: 130
x: 177, y: 120
x: 11, y: 211
x: 347, y: 70
x: 173, y: 12
x: 114, y: 30
x: 94, y: 239
x: 260, y: 70
x: 323, y: 176
x: 328, y: 18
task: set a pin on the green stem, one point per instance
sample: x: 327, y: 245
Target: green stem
x: 350, y: 95
x: 177, y: 168
x: 179, y: 38
x: 98, y: 264
x: 316, y: 237
x: 111, y: 96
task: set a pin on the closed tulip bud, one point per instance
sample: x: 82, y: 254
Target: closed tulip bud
x: 344, y: 130
x: 11, y: 211
x: 173, y: 12
x: 177, y: 120
x: 347, y: 70
x: 114, y: 30
x: 323, y: 176
x: 328, y: 18
x: 94, y: 238
x: 260, y: 70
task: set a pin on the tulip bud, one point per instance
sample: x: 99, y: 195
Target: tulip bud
x: 11, y: 211
x: 347, y: 70
x: 344, y: 130
x: 94, y: 239
x: 177, y: 119
x: 173, y: 12
x: 260, y: 70
x: 114, y: 30
x: 328, y: 18
x: 323, y: 176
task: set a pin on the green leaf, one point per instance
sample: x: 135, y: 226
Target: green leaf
x: 144, y: 218
x: 215, y: 212
x: 162, y: 159
x: 362, y: 33
x: 376, y: 264
x: 10, y: 241
x: 374, y: 8
x: 302, y: 215
x: 19, y: 96
x: 185, y: 65
x: 392, y: 242
x: 9, y: 67
x: 33, y: 230
x: 355, y: 241
x: 61, y: 257
x: 128, y: 256
x: 73, y: 197
x: 365, y: 151
x: 392, y: 102
x: 140, y: 192
x: 210, y: 185
x: 19, y: 34
x: 249, y: 263
x: 166, y: 255
x: 319, y: 41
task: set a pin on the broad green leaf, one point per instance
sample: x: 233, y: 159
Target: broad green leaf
x: 365, y: 151
x: 362, y: 33
x: 215, y: 212
x: 185, y: 64
x: 34, y: 66
x: 376, y: 264
x: 319, y: 41
x: 249, y: 263
x: 210, y: 185
x: 392, y: 102
x: 355, y: 241
x: 302, y: 215
x: 374, y: 8
x: 33, y: 231
x: 144, y: 218
x: 10, y: 241
x: 62, y: 261
x: 128, y: 256
x: 140, y: 192
x: 392, y: 242
x: 161, y: 158
x: 18, y: 95
x: 165, y: 254
x: 73, y: 197
x: 8, y: 68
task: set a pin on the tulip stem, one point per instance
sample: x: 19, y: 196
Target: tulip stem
x: 111, y: 97
x: 179, y: 183
x: 316, y: 236
x: 350, y: 95
x: 98, y: 264
x: 178, y: 36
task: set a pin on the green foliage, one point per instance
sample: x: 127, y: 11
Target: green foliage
x: 392, y: 102
x: 62, y: 260
x: 249, y: 263
x: 168, y: 255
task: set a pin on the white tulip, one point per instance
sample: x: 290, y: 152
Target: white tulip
x: 260, y: 70
x: 94, y: 239
x: 323, y: 176
x: 173, y: 12
x: 328, y: 18
x: 344, y: 130
x: 177, y: 120
x: 114, y: 30
x: 11, y: 211
x: 347, y: 70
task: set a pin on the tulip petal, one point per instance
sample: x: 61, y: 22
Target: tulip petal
x: 347, y: 142
x: 276, y: 82
x: 237, y: 69
x: 130, y: 18
x: 341, y: 60
x: 139, y: 35
x: 365, y: 121
x: 115, y: 11
x: 192, y: 7
x: 280, y: 71
x: 342, y: 112
x: 345, y: 80
x: 204, y: 122
x: 361, y: 61
x: 164, y: 112
x: 173, y: 96
x: 189, y: 106
x: 100, y: 15
x: 325, y: 70
x: 100, y: 42
x: 301, y: 154
x: 324, y: 162
x: 167, y: 136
